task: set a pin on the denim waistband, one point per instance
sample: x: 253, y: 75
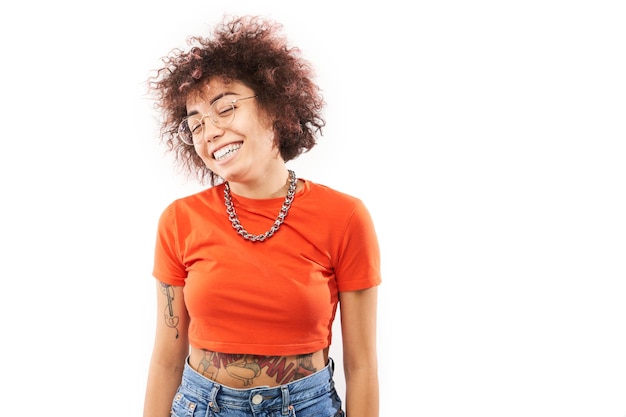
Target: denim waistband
x: 256, y: 399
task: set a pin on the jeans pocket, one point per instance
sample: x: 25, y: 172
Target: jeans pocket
x: 182, y: 406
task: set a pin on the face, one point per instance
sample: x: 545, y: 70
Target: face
x: 242, y: 151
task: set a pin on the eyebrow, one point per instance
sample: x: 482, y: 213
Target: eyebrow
x: 214, y: 99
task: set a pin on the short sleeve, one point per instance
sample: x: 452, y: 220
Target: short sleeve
x: 358, y: 266
x: 168, y: 264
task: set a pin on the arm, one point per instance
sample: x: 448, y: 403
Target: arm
x: 171, y: 347
x: 358, y: 326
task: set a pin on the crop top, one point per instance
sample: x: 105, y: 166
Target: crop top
x: 277, y: 297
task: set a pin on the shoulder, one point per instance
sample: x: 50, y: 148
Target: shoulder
x: 212, y: 195
x: 334, y: 204
x: 194, y: 204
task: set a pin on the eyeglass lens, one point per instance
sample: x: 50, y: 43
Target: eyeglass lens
x: 221, y: 113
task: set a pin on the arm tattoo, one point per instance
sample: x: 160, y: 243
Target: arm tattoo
x: 170, y: 319
x: 247, y: 367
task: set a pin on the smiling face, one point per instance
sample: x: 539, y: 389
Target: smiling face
x: 242, y: 151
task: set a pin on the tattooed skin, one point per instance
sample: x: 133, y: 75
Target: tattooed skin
x: 170, y: 319
x: 246, y: 368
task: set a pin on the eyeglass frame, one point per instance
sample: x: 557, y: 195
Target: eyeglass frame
x: 208, y: 114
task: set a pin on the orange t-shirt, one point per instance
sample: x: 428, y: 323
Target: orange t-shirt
x: 276, y: 297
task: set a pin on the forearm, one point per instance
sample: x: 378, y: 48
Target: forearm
x: 362, y: 393
x: 163, y: 381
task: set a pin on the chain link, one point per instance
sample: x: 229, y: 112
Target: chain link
x: 232, y: 214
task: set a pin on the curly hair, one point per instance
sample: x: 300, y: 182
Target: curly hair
x: 251, y: 50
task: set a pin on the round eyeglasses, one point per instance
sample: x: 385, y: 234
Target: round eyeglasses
x: 221, y: 114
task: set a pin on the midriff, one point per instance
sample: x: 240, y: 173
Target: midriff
x: 249, y: 371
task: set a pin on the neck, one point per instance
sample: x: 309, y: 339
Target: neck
x: 272, y: 185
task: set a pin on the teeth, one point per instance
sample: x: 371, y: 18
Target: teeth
x: 226, y: 151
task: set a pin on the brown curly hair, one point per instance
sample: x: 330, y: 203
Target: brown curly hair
x: 251, y: 50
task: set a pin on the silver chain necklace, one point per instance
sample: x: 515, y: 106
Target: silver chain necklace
x: 232, y: 215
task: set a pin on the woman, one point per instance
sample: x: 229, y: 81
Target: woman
x: 251, y: 270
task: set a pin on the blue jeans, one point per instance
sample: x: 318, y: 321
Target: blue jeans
x: 311, y: 396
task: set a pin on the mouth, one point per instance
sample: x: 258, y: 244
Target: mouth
x: 226, y: 151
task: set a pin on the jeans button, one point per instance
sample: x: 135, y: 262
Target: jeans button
x: 257, y: 399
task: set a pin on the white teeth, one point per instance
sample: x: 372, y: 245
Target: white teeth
x: 226, y: 151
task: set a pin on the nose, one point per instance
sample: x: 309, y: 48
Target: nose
x: 209, y: 130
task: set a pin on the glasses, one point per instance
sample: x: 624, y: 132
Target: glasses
x: 221, y: 114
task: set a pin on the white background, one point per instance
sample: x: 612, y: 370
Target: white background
x: 486, y: 137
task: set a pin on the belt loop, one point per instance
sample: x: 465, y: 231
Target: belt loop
x: 331, y: 362
x: 213, y: 398
x: 285, y: 392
